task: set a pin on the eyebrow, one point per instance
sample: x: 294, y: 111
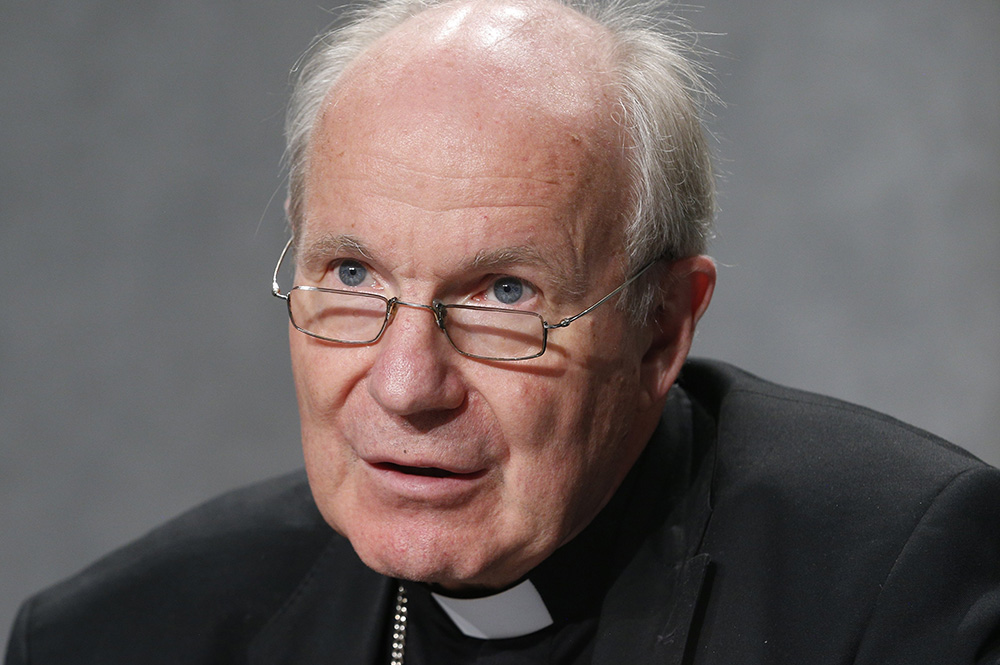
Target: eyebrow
x: 567, y: 282
x: 314, y: 253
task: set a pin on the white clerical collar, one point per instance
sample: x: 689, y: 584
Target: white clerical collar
x: 517, y: 611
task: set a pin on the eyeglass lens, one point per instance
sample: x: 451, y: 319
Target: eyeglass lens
x: 338, y: 317
x: 357, y: 318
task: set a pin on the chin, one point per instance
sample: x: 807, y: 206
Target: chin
x: 440, y: 557
x: 418, y: 564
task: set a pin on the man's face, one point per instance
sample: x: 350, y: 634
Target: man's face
x: 436, y: 466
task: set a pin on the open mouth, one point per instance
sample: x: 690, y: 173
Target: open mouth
x: 429, y: 471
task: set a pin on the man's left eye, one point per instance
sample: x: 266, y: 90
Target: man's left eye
x: 509, y: 291
x: 352, y: 273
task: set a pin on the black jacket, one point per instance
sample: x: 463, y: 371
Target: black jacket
x: 788, y: 528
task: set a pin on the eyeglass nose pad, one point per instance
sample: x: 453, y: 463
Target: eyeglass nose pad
x: 390, y: 312
x: 440, y: 312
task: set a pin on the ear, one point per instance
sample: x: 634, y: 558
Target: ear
x: 685, y: 290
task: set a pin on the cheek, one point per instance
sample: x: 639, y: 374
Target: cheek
x: 538, y: 414
x: 565, y: 441
x: 324, y: 375
x: 570, y: 409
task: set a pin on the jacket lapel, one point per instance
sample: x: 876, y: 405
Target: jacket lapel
x: 649, y: 611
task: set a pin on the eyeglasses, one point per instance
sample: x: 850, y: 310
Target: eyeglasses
x: 487, y: 333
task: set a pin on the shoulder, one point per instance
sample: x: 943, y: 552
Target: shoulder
x: 819, y: 458
x: 764, y: 428
x: 211, y: 576
x: 835, y: 526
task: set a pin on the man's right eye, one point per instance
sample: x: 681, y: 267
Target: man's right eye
x: 509, y: 290
x: 352, y: 273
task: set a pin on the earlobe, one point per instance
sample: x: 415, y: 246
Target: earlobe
x: 685, y: 292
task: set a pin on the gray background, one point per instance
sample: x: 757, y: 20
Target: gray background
x: 143, y: 364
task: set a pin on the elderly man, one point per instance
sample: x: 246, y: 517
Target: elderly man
x: 498, y: 212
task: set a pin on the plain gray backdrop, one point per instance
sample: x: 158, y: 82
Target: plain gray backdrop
x: 143, y: 363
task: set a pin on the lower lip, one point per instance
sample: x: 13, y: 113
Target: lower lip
x: 436, y: 489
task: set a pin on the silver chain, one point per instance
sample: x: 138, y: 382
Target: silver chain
x: 399, y: 628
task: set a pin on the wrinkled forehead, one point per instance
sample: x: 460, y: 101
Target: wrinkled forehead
x: 483, y: 64
x: 515, y: 96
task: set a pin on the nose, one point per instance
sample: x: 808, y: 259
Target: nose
x: 414, y: 368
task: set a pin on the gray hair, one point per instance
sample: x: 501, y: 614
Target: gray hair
x: 661, y: 96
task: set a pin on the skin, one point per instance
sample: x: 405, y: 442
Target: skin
x: 478, y: 152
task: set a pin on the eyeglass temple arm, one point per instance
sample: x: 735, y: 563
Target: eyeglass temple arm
x: 570, y: 319
x: 275, y: 289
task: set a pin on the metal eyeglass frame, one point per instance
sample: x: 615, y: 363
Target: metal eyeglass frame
x: 439, y: 310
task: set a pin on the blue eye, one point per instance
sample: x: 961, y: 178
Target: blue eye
x: 508, y: 290
x: 352, y: 273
